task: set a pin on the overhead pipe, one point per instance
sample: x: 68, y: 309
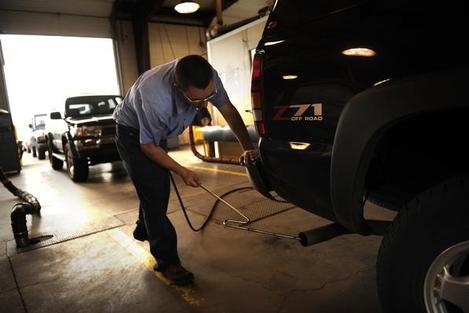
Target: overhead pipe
x: 219, y: 29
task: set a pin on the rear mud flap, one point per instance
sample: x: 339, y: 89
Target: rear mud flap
x: 257, y: 179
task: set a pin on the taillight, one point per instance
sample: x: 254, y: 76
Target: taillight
x: 256, y: 94
x: 256, y: 81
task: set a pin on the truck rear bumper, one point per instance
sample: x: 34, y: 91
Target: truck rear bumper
x: 257, y: 178
x: 301, y: 176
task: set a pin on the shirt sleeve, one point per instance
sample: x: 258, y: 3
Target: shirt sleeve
x: 151, y: 127
x: 221, y: 97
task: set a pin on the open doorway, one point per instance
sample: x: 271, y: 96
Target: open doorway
x: 42, y: 71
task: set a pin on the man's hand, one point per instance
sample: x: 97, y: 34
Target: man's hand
x: 159, y: 156
x: 249, y: 156
x: 190, y: 178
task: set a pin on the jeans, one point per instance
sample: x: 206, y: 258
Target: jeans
x: 151, y: 182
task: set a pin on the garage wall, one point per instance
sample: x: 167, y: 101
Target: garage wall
x: 168, y: 42
x: 125, y: 57
x: 230, y: 54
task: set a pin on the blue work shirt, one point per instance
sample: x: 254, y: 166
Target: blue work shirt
x: 155, y: 106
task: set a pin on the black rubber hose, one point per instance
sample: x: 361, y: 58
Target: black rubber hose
x: 18, y: 223
x: 18, y: 218
x: 210, y: 214
x: 11, y: 188
x: 29, y: 198
x: 23, y: 195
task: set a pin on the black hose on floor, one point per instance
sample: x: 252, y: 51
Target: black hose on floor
x: 18, y: 222
x: 23, y: 195
x: 212, y: 210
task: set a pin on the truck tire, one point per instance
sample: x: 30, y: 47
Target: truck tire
x: 423, y: 261
x: 77, y: 168
x: 56, y: 164
x: 41, y: 153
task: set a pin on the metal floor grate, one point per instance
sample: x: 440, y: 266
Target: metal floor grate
x: 55, y: 237
x: 250, y: 203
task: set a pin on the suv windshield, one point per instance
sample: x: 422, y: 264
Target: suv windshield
x: 86, y: 106
x: 39, y: 122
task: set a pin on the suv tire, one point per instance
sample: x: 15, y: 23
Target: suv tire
x: 426, y: 252
x: 77, y: 168
x: 56, y: 164
x: 41, y: 153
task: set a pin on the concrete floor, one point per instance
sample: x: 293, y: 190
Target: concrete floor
x: 92, y: 264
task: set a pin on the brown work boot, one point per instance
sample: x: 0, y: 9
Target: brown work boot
x: 178, y: 275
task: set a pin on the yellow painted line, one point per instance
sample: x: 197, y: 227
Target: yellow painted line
x: 218, y: 170
x: 145, y: 257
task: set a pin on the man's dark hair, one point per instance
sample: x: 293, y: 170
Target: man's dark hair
x: 193, y: 70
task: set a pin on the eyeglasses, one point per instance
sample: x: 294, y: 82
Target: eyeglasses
x: 197, y: 101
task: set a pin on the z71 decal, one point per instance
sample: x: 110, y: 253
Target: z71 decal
x: 298, y: 112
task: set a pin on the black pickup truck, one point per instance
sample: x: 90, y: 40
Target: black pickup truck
x: 359, y: 101
x: 84, y: 136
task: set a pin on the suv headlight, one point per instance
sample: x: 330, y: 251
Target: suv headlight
x: 86, y: 131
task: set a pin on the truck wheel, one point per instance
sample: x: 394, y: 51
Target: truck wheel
x: 41, y: 153
x: 423, y: 261
x: 56, y: 164
x: 77, y: 168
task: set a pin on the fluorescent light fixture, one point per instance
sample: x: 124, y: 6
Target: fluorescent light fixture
x: 186, y: 7
x: 271, y: 43
x: 359, y: 52
x: 289, y: 76
x: 299, y: 145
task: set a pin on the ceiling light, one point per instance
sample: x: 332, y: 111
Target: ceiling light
x: 288, y: 77
x: 359, y: 52
x: 186, y: 7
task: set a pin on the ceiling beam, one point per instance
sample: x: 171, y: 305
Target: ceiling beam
x: 140, y: 12
x: 146, y: 8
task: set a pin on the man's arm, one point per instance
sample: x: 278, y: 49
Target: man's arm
x: 236, y: 123
x: 162, y: 158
